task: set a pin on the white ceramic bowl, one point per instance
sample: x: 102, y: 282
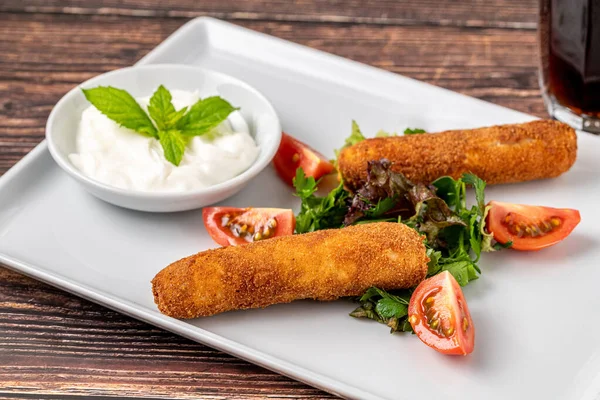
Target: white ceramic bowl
x: 259, y: 114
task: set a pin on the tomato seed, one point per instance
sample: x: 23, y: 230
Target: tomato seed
x: 533, y: 229
x: 465, y: 324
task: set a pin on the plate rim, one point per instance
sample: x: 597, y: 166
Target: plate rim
x: 154, y: 318
x: 202, y: 26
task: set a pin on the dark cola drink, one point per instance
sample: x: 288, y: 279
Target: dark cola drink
x: 569, y: 38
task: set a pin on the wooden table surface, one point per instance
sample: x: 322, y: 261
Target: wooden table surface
x: 58, y: 346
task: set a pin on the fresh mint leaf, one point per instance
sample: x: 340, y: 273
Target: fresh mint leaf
x: 162, y: 110
x: 173, y: 144
x: 205, y: 115
x: 414, y: 131
x: 121, y: 107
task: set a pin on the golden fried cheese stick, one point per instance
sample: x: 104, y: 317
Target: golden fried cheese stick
x: 322, y: 265
x: 497, y: 154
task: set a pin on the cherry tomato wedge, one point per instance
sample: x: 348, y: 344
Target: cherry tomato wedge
x: 530, y: 227
x: 439, y: 315
x: 229, y: 226
x: 292, y: 154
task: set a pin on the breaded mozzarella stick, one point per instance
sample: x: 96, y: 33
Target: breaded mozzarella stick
x: 322, y: 265
x: 497, y: 154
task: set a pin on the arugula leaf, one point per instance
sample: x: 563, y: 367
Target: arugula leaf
x: 414, y: 131
x: 451, y: 191
x: 479, y: 186
x: 433, y: 266
x: 173, y: 144
x: 205, y: 115
x: 318, y: 212
x: 121, y: 107
x: 384, y: 307
x: 162, y: 110
x: 463, y: 271
x: 481, y: 240
x: 383, y: 206
x: 388, y: 308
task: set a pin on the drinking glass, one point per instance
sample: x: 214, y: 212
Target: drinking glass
x: 569, y: 74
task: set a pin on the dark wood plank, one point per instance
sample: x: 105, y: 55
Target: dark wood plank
x: 515, y: 14
x: 492, y: 64
x: 53, y: 343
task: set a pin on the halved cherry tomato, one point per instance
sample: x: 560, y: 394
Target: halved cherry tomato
x: 292, y: 154
x: 439, y: 315
x: 530, y: 227
x: 229, y: 226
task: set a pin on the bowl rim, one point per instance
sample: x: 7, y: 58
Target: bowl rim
x: 257, y: 166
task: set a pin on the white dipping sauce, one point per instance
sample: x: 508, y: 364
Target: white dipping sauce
x: 125, y: 159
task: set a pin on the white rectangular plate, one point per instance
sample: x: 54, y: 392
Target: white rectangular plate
x: 535, y: 313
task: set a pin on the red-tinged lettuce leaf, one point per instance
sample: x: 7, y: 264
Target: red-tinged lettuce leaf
x: 388, y: 194
x: 383, y: 186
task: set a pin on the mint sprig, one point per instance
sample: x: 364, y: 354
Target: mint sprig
x: 205, y: 115
x: 172, y: 128
x: 162, y: 110
x: 121, y: 107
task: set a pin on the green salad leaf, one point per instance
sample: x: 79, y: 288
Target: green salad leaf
x: 318, y: 212
x: 356, y: 136
x: 454, y: 232
x: 414, y: 131
x: 389, y: 308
